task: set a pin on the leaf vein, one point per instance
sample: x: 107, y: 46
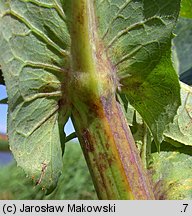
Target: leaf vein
x: 46, y: 39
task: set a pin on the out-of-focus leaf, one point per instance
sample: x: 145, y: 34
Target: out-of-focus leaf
x: 181, y: 129
x: 171, y: 173
x: 175, y: 58
x: 137, y: 35
x: 183, y: 44
x: 2, y: 82
x: 186, y: 77
x: 131, y: 114
x: 186, y: 8
x: 34, y: 41
x: 4, y: 101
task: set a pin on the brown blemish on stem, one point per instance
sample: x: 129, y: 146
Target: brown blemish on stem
x: 94, y: 108
x: 88, y: 140
x: 80, y: 16
x: 130, y: 160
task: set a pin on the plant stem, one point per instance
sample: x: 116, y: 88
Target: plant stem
x: 111, y: 153
x: 103, y: 132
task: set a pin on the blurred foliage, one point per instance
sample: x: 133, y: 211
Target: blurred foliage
x: 74, y: 183
x: 186, y: 8
x: 3, y: 143
x: 3, y: 146
x: 186, y: 77
x: 183, y: 44
x: 2, y: 82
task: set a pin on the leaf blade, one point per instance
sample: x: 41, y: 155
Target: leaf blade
x: 138, y: 41
x: 180, y: 129
x: 33, y: 65
x: 170, y: 182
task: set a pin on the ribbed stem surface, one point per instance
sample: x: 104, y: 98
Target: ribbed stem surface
x: 106, y: 140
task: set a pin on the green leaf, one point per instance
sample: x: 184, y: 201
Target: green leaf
x: 186, y: 8
x: 137, y: 35
x: 183, y: 44
x: 180, y: 130
x: 34, y: 58
x: 171, y: 173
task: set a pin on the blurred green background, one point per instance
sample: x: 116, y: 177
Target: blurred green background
x: 74, y: 183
